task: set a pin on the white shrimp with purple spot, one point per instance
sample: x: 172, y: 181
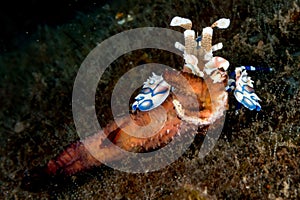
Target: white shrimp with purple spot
x: 154, y: 92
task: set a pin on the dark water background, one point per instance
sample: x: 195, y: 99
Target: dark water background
x: 19, y: 18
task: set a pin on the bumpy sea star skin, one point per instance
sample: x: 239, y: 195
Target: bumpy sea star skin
x: 197, y: 98
x: 76, y: 157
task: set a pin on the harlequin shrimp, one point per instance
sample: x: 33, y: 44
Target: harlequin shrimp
x: 196, y: 96
x: 242, y: 87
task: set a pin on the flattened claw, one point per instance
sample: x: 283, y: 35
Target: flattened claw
x: 154, y: 92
